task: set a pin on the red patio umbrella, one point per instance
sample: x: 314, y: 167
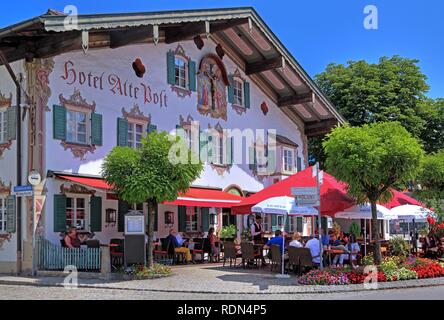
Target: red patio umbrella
x: 334, y: 195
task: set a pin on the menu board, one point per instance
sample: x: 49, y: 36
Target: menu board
x: 134, y: 225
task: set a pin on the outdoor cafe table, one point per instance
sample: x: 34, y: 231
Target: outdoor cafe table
x: 330, y: 252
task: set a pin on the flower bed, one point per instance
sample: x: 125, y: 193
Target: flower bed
x: 391, y: 269
x: 140, y: 272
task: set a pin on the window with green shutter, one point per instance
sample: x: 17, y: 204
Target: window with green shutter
x: 192, y: 75
x: 122, y: 132
x: 246, y: 94
x: 205, y: 219
x: 96, y: 129
x: 11, y: 123
x: 123, y: 208
x: 182, y: 218
x: 10, y: 214
x: 59, y: 213
x: 271, y: 160
x: 299, y: 163
x: 230, y: 89
x: 171, y: 79
x: 96, y: 214
x: 203, y: 146
x: 59, y: 122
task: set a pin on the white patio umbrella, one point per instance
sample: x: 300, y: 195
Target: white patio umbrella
x: 285, y: 206
x: 365, y: 212
x: 410, y: 212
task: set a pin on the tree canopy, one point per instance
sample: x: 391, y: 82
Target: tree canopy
x: 372, y: 159
x: 139, y: 175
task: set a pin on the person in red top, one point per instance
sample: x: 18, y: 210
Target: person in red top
x: 214, y: 249
x: 72, y: 239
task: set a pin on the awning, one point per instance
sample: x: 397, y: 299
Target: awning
x: 202, y: 197
x: 87, y: 181
x: 195, y: 196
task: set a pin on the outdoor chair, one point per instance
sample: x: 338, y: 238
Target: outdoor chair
x: 93, y: 243
x: 306, y: 260
x: 198, y: 249
x: 161, y: 254
x: 294, y: 258
x: 116, y: 252
x: 276, y: 257
x: 230, y: 252
x: 249, y: 256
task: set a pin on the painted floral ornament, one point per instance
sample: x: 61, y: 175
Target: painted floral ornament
x: 139, y: 68
x: 264, y: 108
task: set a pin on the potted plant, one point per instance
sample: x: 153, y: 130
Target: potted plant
x: 228, y: 233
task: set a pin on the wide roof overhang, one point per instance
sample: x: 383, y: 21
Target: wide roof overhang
x: 244, y: 36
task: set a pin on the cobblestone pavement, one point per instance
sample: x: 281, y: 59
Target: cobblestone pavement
x: 17, y: 292
x: 213, y: 278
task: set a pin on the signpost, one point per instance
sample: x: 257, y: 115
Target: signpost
x: 311, y: 196
x: 22, y: 191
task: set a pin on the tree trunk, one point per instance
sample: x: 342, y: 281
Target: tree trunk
x: 151, y: 212
x: 377, y: 253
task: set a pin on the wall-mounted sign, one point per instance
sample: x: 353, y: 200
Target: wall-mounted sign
x: 22, y: 191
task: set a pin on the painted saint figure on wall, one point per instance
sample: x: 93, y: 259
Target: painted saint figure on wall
x: 212, y: 87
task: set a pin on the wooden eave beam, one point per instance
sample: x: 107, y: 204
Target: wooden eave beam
x: 125, y: 37
x: 295, y: 99
x: 317, y: 128
x: 264, y: 65
x: 187, y: 32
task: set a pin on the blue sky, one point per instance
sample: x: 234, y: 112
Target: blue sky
x: 317, y: 32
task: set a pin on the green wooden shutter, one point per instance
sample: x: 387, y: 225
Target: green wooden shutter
x: 205, y: 219
x: 123, y: 208
x: 59, y: 122
x: 246, y: 94
x: 171, y: 64
x: 252, y: 158
x: 59, y: 213
x: 203, y: 142
x: 229, y: 150
x: 230, y: 89
x: 299, y: 163
x: 122, y: 132
x: 151, y: 128
x: 271, y: 161
x: 210, y: 147
x: 287, y: 223
x: 11, y: 214
x: 299, y: 224
x: 192, y: 75
x: 182, y: 218
x: 274, y: 223
x: 11, y: 123
x: 96, y: 213
x: 96, y: 129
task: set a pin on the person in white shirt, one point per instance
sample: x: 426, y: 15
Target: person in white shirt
x: 296, y: 242
x: 314, y: 245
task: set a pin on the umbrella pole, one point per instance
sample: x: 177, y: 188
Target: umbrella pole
x: 282, y: 275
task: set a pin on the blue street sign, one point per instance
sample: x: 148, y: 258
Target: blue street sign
x: 22, y: 188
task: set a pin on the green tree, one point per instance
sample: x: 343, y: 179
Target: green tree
x: 372, y: 159
x: 390, y: 90
x: 432, y: 112
x: 431, y: 179
x: 151, y: 174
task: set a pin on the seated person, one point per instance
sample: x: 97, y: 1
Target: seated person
x: 325, y: 239
x: 334, y: 240
x: 277, y: 239
x: 179, y: 239
x: 351, y: 245
x: 214, y: 249
x: 72, y: 239
x: 178, y: 248
x: 296, y: 242
x: 314, y: 245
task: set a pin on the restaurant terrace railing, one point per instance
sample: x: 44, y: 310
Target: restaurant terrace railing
x: 56, y: 257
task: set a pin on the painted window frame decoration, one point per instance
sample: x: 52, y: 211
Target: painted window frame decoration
x: 178, y: 54
x: 218, y: 141
x: 94, y: 127
x: 8, y: 123
x: 212, y: 83
x: 134, y: 118
x: 240, y: 105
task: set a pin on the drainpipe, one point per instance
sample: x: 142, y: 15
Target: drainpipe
x: 17, y: 83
